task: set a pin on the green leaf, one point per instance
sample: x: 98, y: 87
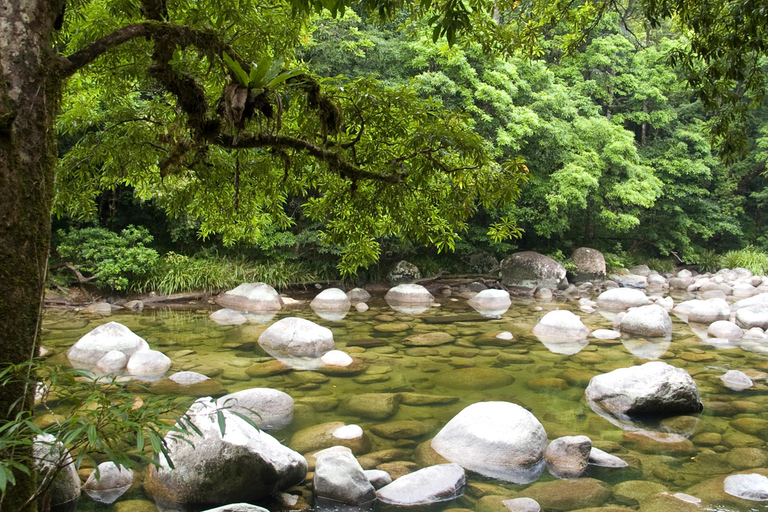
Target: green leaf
x: 240, y: 74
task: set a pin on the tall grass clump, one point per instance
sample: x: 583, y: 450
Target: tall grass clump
x: 708, y: 261
x: 750, y: 258
x: 177, y: 273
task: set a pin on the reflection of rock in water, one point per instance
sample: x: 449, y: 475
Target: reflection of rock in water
x: 567, y: 348
x: 647, y: 348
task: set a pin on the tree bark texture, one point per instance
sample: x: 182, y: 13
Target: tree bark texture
x: 29, y: 97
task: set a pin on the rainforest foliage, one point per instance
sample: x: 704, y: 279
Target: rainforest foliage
x: 351, y: 138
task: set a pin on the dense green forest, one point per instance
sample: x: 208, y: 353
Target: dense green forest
x: 601, y: 142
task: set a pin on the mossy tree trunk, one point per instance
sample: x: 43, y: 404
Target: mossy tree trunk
x: 29, y: 95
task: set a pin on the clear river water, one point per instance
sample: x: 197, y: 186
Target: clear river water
x: 548, y: 379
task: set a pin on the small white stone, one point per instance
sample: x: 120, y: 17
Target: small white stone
x: 348, y: 432
x: 361, y: 307
x: 506, y: 335
x: 336, y: 358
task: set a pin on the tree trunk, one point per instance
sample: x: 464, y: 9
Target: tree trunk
x: 29, y: 97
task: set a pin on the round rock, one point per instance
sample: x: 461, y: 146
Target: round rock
x: 251, y: 297
x: 298, y: 337
x: 105, y: 338
x: 495, y: 439
x: 651, y: 321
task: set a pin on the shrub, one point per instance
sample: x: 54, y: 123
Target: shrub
x: 749, y: 257
x: 708, y: 261
x: 661, y: 265
x: 113, y: 260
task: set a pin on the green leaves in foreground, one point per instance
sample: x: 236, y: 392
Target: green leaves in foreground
x: 92, y: 415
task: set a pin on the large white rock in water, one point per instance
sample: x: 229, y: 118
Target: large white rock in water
x: 409, y: 299
x: 408, y: 294
x: 268, y: 408
x: 111, y: 336
x: 251, y: 297
x: 529, y: 269
x: 112, y: 482
x: 652, y: 321
x: 242, y: 465
x: 148, y: 363
x: 653, y: 389
x: 52, y: 460
x: 433, y: 484
x: 703, y: 311
x: 339, y: 477
x: 561, y: 325
x: 753, y: 316
x: 495, y: 439
x: 724, y: 329
x: 331, y: 299
x: 296, y: 337
x: 622, y: 298
x: 756, y: 300
x: 750, y: 486
x: 491, y: 302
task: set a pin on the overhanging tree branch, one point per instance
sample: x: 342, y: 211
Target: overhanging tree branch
x: 179, y: 35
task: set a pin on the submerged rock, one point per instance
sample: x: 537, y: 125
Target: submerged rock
x: 495, y: 439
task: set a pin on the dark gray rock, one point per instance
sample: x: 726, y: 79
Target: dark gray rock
x: 529, y: 269
x: 590, y: 265
x: 214, y: 469
x: 403, y: 272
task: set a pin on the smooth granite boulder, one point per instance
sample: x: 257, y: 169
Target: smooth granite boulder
x: 590, y: 265
x: 651, y: 321
x: 529, y: 269
x: 105, y: 338
x: 652, y: 389
x: 495, y: 439
x: 427, y: 486
x: 211, y: 469
x: 622, y: 298
x: 270, y: 409
x: 112, y: 482
x: 251, y: 297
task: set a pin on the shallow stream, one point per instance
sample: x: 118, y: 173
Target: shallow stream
x: 548, y: 379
